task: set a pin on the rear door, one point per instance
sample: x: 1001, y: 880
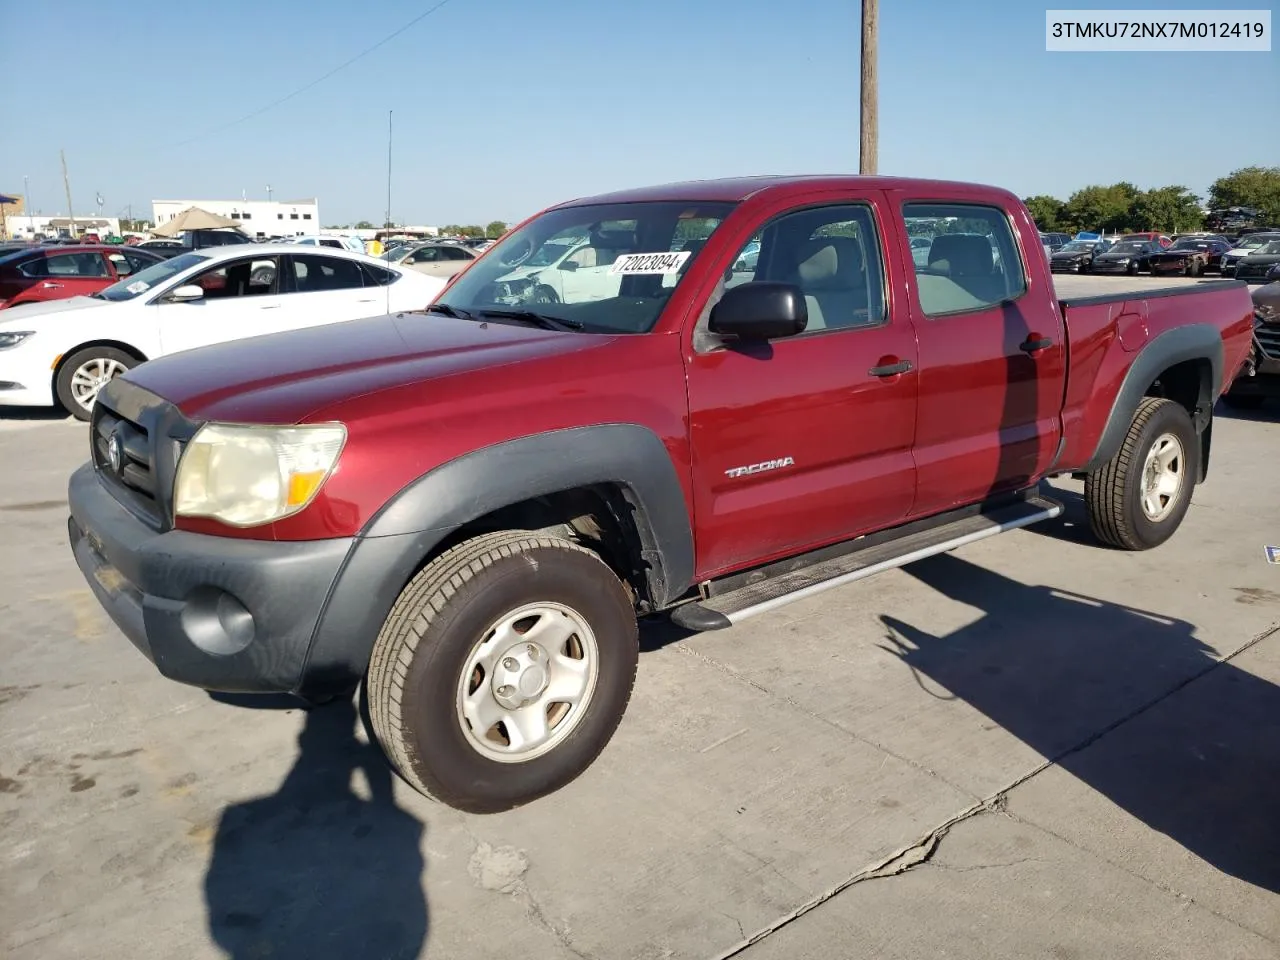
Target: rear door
x: 805, y: 440
x: 991, y: 356
x: 61, y: 275
x: 326, y: 289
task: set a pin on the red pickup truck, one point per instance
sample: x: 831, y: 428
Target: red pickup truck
x: 701, y: 400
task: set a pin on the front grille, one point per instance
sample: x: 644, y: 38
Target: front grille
x: 150, y: 434
x: 1252, y: 271
x: 1268, y: 341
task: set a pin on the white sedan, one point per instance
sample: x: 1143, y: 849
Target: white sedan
x: 64, y: 351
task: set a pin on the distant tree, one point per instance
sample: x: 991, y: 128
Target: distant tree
x: 1100, y: 207
x: 1249, y: 187
x: 495, y: 229
x: 1048, y: 212
x: 387, y: 225
x: 1168, y: 209
x: 364, y: 225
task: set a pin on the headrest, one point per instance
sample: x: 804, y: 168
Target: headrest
x: 829, y: 262
x: 613, y: 239
x: 961, y: 255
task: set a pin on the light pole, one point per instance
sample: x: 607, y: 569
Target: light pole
x: 869, y: 132
x: 26, y: 201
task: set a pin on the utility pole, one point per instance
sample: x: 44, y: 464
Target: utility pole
x: 66, y: 182
x: 869, y: 127
x: 26, y: 202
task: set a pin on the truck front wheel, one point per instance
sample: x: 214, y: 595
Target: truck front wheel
x: 1138, y: 498
x: 503, y: 670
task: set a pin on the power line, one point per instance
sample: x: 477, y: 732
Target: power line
x: 319, y: 80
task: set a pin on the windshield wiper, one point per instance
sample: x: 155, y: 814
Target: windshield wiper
x: 543, y: 320
x: 449, y: 311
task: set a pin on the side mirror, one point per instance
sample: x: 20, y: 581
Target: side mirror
x: 570, y: 265
x: 762, y: 310
x: 186, y: 293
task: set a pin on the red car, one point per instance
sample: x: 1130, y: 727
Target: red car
x: 469, y: 507
x: 55, y: 273
x: 1160, y: 238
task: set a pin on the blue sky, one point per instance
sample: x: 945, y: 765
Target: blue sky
x: 505, y: 106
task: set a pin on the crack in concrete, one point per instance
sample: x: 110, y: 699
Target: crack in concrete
x: 987, y: 866
x: 923, y: 849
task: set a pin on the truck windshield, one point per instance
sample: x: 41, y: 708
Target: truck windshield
x: 139, y: 283
x: 607, y: 268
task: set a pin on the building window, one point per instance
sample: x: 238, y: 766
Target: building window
x: 293, y: 216
x: 279, y: 216
x: 306, y: 216
x: 244, y: 216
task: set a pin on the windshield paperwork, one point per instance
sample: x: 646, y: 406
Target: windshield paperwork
x: 139, y: 283
x: 608, y: 268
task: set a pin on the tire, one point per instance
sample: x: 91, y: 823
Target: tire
x: 1132, y: 269
x: 544, y: 294
x: 1119, y: 513
x: 75, y: 386
x: 430, y: 658
x: 1243, y: 401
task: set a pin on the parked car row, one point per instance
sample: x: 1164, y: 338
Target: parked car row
x: 129, y: 306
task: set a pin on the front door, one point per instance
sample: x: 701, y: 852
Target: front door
x: 805, y: 440
x: 61, y: 275
x: 242, y: 298
x: 326, y: 289
x: 991, y: 358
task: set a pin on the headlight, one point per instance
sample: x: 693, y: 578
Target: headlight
x: 11, y: 338
x: 245, y: 476
x: 1123, y: 260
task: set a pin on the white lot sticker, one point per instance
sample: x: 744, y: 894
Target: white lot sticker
x: 138, y: 286
x: 1273, y: 554
x: 650, y: 264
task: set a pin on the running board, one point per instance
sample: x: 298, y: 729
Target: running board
x: 731, y: 608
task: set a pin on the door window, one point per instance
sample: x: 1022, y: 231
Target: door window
x: 67, y: 265
x: 425, y: 255
x: 832, y: 254
x: 241, y: 278
x: 973, y: 261
x: 456, y: 253
x: 315, y: 273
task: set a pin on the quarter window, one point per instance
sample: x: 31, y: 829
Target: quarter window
x: 831, y: 253
x: 241, y: 278
x: 972, y: 262
x: 67, y: 265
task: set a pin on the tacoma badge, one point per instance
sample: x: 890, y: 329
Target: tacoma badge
x: 760, y: 467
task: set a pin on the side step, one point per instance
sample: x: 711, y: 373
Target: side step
x: 725, y: 610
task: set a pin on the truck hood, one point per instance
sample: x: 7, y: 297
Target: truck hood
x: 283, y: 377
x: 19, y: 313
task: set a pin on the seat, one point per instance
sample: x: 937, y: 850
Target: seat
x: 966, y: 259
x: 831, y: 273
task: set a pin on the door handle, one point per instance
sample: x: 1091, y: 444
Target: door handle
x: 270, y: 306
x: 890, y: 369
x: 1034, y: 344
x: 51, y: 286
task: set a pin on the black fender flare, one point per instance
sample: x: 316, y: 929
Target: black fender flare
x: 426, y: 511
x: 1195, y: 341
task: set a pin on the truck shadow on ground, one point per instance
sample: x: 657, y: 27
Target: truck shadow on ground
x: 1127, y: 701
x: 317, y: 869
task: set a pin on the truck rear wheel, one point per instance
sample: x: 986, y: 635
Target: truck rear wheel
x: 503, y: 670
x: 1138, y: 498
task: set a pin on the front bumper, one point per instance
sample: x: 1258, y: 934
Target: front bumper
x: 23, y: 383
x: 1067, y: 266
x: 214, y: 612
x: 1110, y: 266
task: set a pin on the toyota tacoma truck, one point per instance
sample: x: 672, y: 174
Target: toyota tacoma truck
x: 467, y: 509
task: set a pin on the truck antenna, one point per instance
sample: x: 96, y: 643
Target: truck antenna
x: 389, y: 112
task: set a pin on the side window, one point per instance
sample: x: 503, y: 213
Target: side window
x: 832, y: 254
x: 973, y: 262
x: 377, y: 276
x: 317, y: 273
x: 35, y: 268
x: 136, y: 262
x: 240, y: 278
x: 331, y: 243
x: 453, y: 253
x: 72, y: 265
x: 425, y: 255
